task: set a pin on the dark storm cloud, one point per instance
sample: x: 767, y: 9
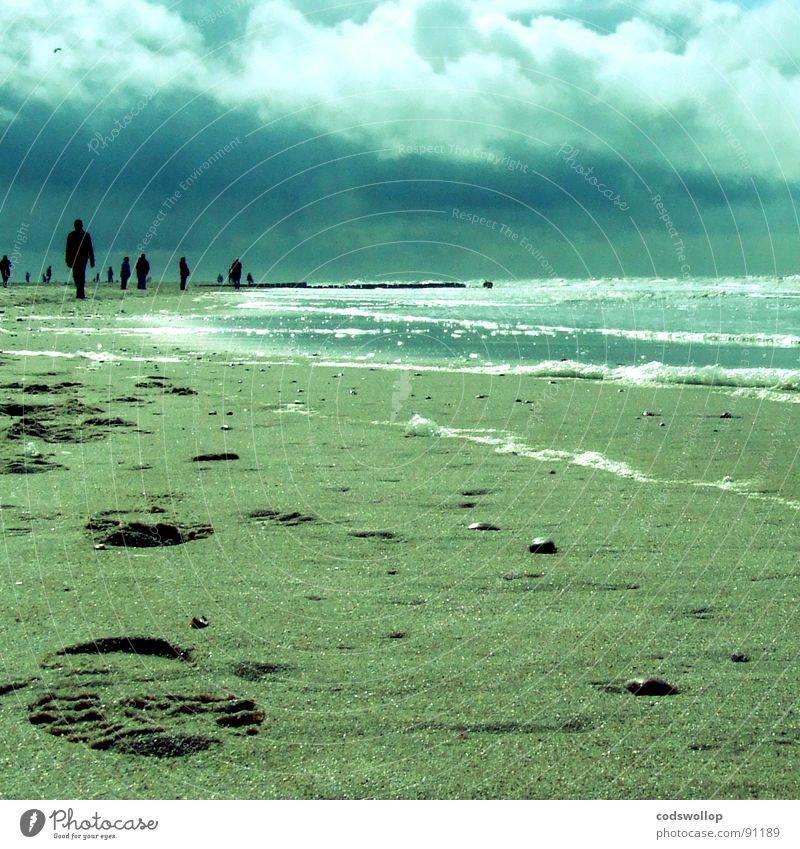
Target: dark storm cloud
x: 339, y: 141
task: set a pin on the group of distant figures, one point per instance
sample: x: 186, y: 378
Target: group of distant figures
x: 80, y: 253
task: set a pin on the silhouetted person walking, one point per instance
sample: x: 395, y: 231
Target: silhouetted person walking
x: 125, y: 273
x: 49, y: 274
x: 110, y: 274
x: 250, y: 280
x: 5, y: 270
x: 184, y: 269
x: 142, y: 270
x: 79, y: 252
x: 235, y: 273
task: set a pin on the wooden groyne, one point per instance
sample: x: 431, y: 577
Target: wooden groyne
x: 304, y: 285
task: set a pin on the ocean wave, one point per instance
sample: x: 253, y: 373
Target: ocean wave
x: 778, y: 380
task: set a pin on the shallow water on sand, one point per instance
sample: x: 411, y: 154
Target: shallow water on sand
x: 740, y: 332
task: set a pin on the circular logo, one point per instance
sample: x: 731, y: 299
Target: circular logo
x: 31, y: 822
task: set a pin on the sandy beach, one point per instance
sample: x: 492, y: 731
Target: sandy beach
x: 278, y: 557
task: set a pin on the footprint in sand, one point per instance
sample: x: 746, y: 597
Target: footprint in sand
x: 95, y: 706
x: 137, y: 534
x: 291, y: 519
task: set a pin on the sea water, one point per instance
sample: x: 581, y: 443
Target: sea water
x: 736, y: 332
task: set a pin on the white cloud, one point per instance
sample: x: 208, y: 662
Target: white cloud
x: 102, y: 47
x: 408, y: 69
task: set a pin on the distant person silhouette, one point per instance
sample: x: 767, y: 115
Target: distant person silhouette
x: 27, y: 277
x: 142, y: 270
x: 184, y: 270
x: 79, y: 252
x: 235, y: 273
x: 49, y: 273
x: 219, y: 278
x: 125, y: 273
x: 110, y: 274
x: 250, y: 280
x: 5, y: 270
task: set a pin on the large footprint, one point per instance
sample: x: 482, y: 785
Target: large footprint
x: 100, y: 707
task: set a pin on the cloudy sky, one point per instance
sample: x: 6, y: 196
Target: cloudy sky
x: 405, y: 138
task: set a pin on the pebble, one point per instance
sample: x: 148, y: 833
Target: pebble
x: 482, y: 526
x: 542, y: 546
x: 651, y: 687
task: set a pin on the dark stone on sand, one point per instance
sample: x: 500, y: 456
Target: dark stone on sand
x: 740, y: 658
x: 726, y: 416
x: 471, y: 493
x: 651, y: 687
x: 482, y: 526
x: 183, y: 390
x: 398, y: 635
x: 542, y: 546
x: 647, y: 414
x: 198, y: 622
x: 204, y: 458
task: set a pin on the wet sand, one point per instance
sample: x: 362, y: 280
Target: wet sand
x: 235, y: 577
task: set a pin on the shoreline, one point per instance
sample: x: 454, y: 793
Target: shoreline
x: 372, y: 644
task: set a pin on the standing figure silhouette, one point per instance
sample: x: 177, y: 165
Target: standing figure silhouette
x: 184, y: 271
x: 235, y: 273
x: 79, y: 252
x: 125, y: 273
x: 5, y: 270
x: 142, y: 270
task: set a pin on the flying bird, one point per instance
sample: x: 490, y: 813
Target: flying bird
x: 57, y: 50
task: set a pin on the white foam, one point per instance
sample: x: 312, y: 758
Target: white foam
x: 507, y: 443
x: 420, y: 426
x: 594, y: 460
x: 786, y: 380
x: 95, y: 356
